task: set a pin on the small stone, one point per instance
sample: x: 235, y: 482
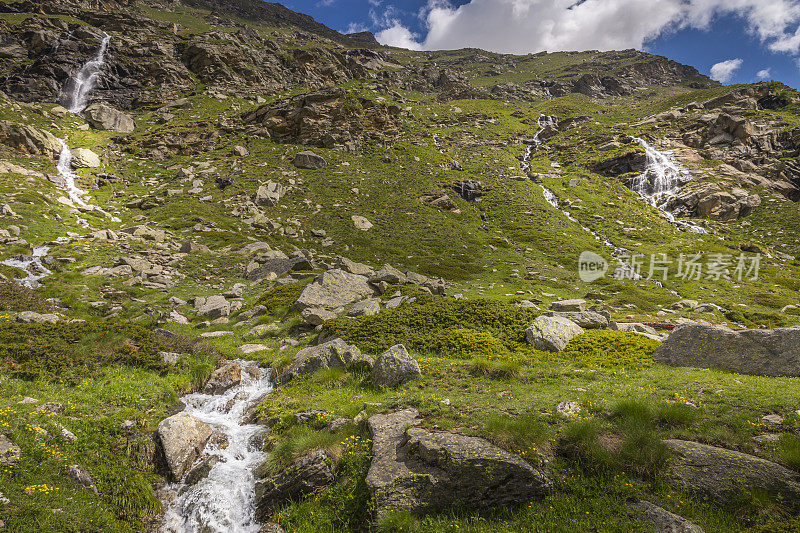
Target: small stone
x: 569, y: 409
x: 361, y: 223
x: 253, y: 348
x: 773, y: 419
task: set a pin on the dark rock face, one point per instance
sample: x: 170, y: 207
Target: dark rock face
x: 326, y: 118
x: 470, y: 190
x: 757, y: 352
x: 623, y: 164
x: 418, y: 471
x: 307, y: 475
x: 720, y: 474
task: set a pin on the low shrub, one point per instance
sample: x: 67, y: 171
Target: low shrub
x: 463, y: 343
x: 14, y: 297
x: 611, y: 349
x: 279, y: 299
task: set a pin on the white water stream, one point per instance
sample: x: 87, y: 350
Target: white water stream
x: 223, y: 502
x: 661, y: 180
x: 32, y: 264
x: 85, y: 80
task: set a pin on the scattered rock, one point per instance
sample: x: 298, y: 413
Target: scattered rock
x: 29, y: 317
x: 585, y: 319
x: 361, y: 223
x: 182, y: 438
x: 104, y: 117
x: 84, y: 158
x: 368, y: 307
x: 214, y: 307
x: 82, y: 477
x: 552, y: 333
x: 316, y: 316
x: 394, y: 367
x: 334, y: 288
x: 253, y: 348
x: 576, y: 305
x: 10, y: 453
x: 269, y: 194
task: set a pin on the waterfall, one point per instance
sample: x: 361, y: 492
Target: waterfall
x: 64, y: 168
x: 32, y: 264
x: 543, y: 121
x: 76, y: 91
x: 662, y: 179
x: 225, y: 500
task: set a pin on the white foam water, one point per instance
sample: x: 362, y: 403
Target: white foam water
x: 84, y: 81
x: 64, y: 168
x: 32, y: 264
x: 661, y: 180
x: 223, y: 502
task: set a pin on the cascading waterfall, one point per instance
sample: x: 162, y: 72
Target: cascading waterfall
x: 32, y: 264
x: 76, y: 91
x: 661, y: 180
x: 225, y: 500
x: 64, y: 167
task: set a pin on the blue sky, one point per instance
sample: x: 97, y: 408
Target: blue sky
x: 747, y: 40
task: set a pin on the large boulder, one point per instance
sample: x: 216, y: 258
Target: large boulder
x: 269, y: 194
x: 418, y: 471
x: 753, y: 351
x: 721, y: 474
x: 182, y: 438
x: 576, y: 305
x: 29, y: 140
x: 214, y: 307
x: 223, y: 378
x: 309, y: 160
x: 394, y: 367
x: 84, y: 158
x: 307, y: 475
x: 552, y: 333
x: 585, y: 319
x: 334, y: 288
x: 332, y: 354
x: 104, y: 117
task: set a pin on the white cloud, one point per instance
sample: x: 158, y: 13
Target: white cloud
x: 400, y: 36
x: 521, y: 26
x: 763, y: 74
x: 355, y: 27
x: 723, y: 71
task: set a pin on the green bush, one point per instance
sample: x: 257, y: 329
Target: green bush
x: 419, y: 326
x: 69, y: 351
x: 15, y: 297
x: 280, y: 298
x: 464, y: 343
x: 611, y: 349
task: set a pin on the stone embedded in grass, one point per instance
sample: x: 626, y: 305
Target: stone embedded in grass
x: 253, y: 348
x: 82, y: 477
x: 552, y: 333
x: 361, y: 223
x: 30, y: 317
x: 214, y: 307
x: 368, y: 307
x: 316, y: 316
x: 722, y: 474
x: 182, y: 438
x: 569, y: 409
x: 10, y: 453
x: 663, y: 520
x: 84, y: 158
x: 394, y: 367
x: 269, y: 194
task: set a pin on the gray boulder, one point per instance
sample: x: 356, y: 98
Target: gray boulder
x: 394, y: 367
x: 663, y: 520
x: 269, y: 194
x: 334, y: 288
x: 388, y: 274
x: 585, y: 319
x: 368, y: 307
x: 576, y: 305
x: 307, y: 475
x: 214, y: 307
x: 84, y: 158
x: 332, y: 354
x: 552, y: 333
x: 30, y: 317
x: 223, y: 378
x: 309, y: 160
x: 182, y: 438
x: 104, y: 117
x: 754, y: 351
x: 352, y: 267
x: 418, y: 471
x: 721, y: 474
x: 316, y: 316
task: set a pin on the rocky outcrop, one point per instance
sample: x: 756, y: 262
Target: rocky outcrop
x: 334, y: 288
x: 709, y: 200
x: 214, y: 307
x: 754, y: 351
x: 309, y: 160
x: 394, y: 367
x: 28, y: 139
x: 721, y: 474
x: 596, y: 86
x: 331, y: 354
x: 182, y: 439
x: 418, y: 471
x: 84, y: 158
x: 552, y: 333
x: 307, y: 475
x: 269, y: 194
x: 104, y: 117
x: 326, y: 118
